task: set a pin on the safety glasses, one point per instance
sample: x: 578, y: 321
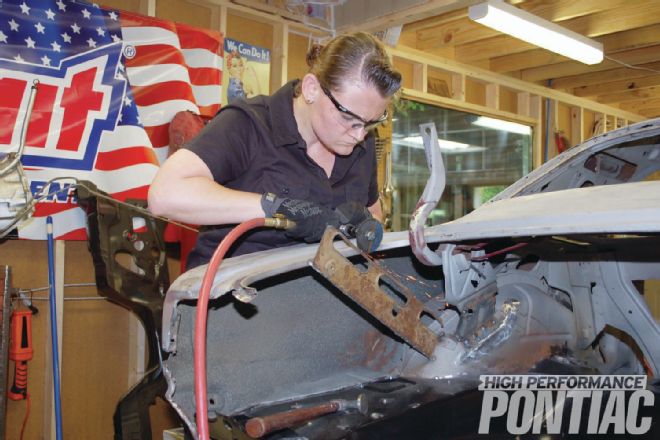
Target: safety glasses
x: 368, y: 125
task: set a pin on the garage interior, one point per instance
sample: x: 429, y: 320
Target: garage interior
x: 455, y: 72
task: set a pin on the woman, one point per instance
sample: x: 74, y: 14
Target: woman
x: 301, y: 153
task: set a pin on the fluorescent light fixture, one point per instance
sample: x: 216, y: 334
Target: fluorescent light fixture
x: 499, y: 124
x: 510, y: 20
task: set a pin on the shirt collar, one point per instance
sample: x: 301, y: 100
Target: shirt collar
x: 285, y: 129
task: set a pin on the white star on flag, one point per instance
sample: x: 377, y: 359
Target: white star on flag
x: 66, y: 37
x: 127, y: 100
x: 40, y: 28
x: 56, y: 47
x: 86, y: 13
x: 100, y: 31
x: 45, y: 60
x: 19, y: 59
x: 75, y: 28
x: 113, y: 15
x: 3, y: 37
x: 91, y: 42
x: 13, y: 25
x: 61, y: 6
x: 25, y: 9
x: 50, y: 14
x: 115, y: 38
x: 30, y: 42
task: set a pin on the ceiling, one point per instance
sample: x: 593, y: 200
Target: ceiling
x: 628, y: 29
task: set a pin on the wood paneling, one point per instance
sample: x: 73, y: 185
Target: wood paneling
x: 187, y: 12
x: 298, y: 46
x: 635, y: 56
x: 594, y: 78
x: 139, y: 6
x: 250, y: 31
x: 634, y: 94
x: 94, y: 353
x: 627, y: 84
x: 628, y: 30
x: 94, y: 349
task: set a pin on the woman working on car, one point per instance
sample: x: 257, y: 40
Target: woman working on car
x: 301, y: 153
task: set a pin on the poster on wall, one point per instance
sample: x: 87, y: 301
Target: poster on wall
x: 108, y: 83
x: 247, y: 71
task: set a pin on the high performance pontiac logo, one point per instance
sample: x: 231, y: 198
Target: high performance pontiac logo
x: 535, y: 403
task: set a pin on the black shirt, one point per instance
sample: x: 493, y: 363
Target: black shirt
x: 254, y: 145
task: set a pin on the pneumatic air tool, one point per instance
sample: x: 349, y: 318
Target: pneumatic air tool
x: 368, y: 234
x: 355, y: 221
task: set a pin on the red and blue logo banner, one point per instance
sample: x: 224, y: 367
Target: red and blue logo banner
x: 108, y: 84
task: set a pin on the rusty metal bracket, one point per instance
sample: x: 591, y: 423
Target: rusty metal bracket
x: 363, y: 288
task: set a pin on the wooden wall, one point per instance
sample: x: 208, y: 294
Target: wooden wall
x: 298, y: 47
x: 94, y: 361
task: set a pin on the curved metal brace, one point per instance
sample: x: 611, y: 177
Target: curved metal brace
x: 430, y: 197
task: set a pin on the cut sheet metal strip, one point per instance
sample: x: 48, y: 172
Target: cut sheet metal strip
x: 363, y: 288
x: 433, y: 190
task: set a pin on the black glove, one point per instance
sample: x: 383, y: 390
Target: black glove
x: 311, y: 219
x: 352, y: 213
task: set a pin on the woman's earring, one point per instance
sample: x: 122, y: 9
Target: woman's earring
x: 309, y: 100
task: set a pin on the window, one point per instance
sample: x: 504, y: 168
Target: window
x: 482, y: 156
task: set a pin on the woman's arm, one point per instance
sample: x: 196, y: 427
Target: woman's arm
x: 184, y: 190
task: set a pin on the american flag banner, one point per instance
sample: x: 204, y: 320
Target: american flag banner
x: 108, y: 84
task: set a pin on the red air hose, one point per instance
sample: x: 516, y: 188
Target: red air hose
x: 199, y: 350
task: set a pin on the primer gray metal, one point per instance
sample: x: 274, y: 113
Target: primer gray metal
x: 570, y: 300
x: 572, y: 211
x: 433, y: 190
x: 567, y: 170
